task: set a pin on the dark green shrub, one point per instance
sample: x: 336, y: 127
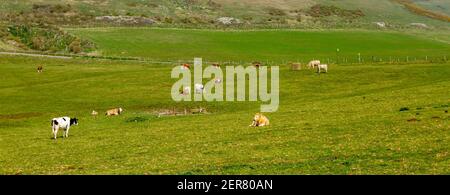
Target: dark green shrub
x: 47, y: 38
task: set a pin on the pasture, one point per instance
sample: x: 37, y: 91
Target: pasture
x: 347, y: 121
x: 263, y: 45
x: 344, y: 122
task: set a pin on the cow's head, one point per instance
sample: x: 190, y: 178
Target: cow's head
x: 256, y: 118
x: 73, y: 121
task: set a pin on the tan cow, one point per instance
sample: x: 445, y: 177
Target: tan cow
x: 313, y: 63
x: 114, y: 111
x: 259, y: 120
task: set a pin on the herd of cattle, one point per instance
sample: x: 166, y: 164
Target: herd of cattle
x: 259, y: 120
x: 316, y: 64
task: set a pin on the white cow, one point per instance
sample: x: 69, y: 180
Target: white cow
x: 186, y: 91
x: 63, y: 123
x: 198, y: 88
x: 313, y: 63
x: 217, y: 80
x: 321, y: 67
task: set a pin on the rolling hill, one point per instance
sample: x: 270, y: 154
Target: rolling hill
x: 286, y: 13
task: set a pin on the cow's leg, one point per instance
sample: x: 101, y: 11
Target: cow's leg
x: 67, y: 131
x: 55, y: 132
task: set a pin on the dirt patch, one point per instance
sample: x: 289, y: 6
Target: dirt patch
x: 413, y: 120
x: 404, y: 109
x: 177, y: 111
x: 137, y: 119
x: 19, y: 116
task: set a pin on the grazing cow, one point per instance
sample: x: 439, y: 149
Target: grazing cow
x: 259, y: 120
x: 185, y: 66
x: 40, y: 68
x: 198, y: 88
x: 257, y: 64
x: 218, y: 80
x: 313, y: 63
x: 114, y: 112
x: 185, y: 91
x: 63, y: 123
x: 321, y: 67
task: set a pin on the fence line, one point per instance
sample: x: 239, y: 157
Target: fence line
x: 357, y: 59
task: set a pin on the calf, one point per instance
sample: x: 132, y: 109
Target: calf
x: 321, y: 67
x: 63, y: 123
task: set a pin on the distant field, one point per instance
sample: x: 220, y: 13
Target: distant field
x: 347, y: 121
x: 253, y: 12
x: 280, y: 45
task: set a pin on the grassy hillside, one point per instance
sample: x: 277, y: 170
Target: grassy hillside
x: 253, y: 13
x: 163, y: 44
x: 359, y: 118
x: 347, y: 121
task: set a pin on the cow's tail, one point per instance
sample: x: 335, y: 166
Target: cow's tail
x: 54, y: 122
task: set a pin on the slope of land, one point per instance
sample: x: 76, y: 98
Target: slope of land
x: 272, y: 45
x: 296, y: 13
x: 356, y: 119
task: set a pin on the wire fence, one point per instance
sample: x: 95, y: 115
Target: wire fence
x: 341, y: 60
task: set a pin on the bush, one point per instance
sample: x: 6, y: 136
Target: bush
x: 38, y: 43
x: 323, y: 10
x: 46, y: 38
x: 75, y: 46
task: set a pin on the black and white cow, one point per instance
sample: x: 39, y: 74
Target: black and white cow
x: 63, y: 123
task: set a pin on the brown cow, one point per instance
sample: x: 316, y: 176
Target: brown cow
x: 256, y: 64
x: 40, y: 68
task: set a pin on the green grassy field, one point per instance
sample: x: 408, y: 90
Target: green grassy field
x: 262, y: 45
x: 344, y: 122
